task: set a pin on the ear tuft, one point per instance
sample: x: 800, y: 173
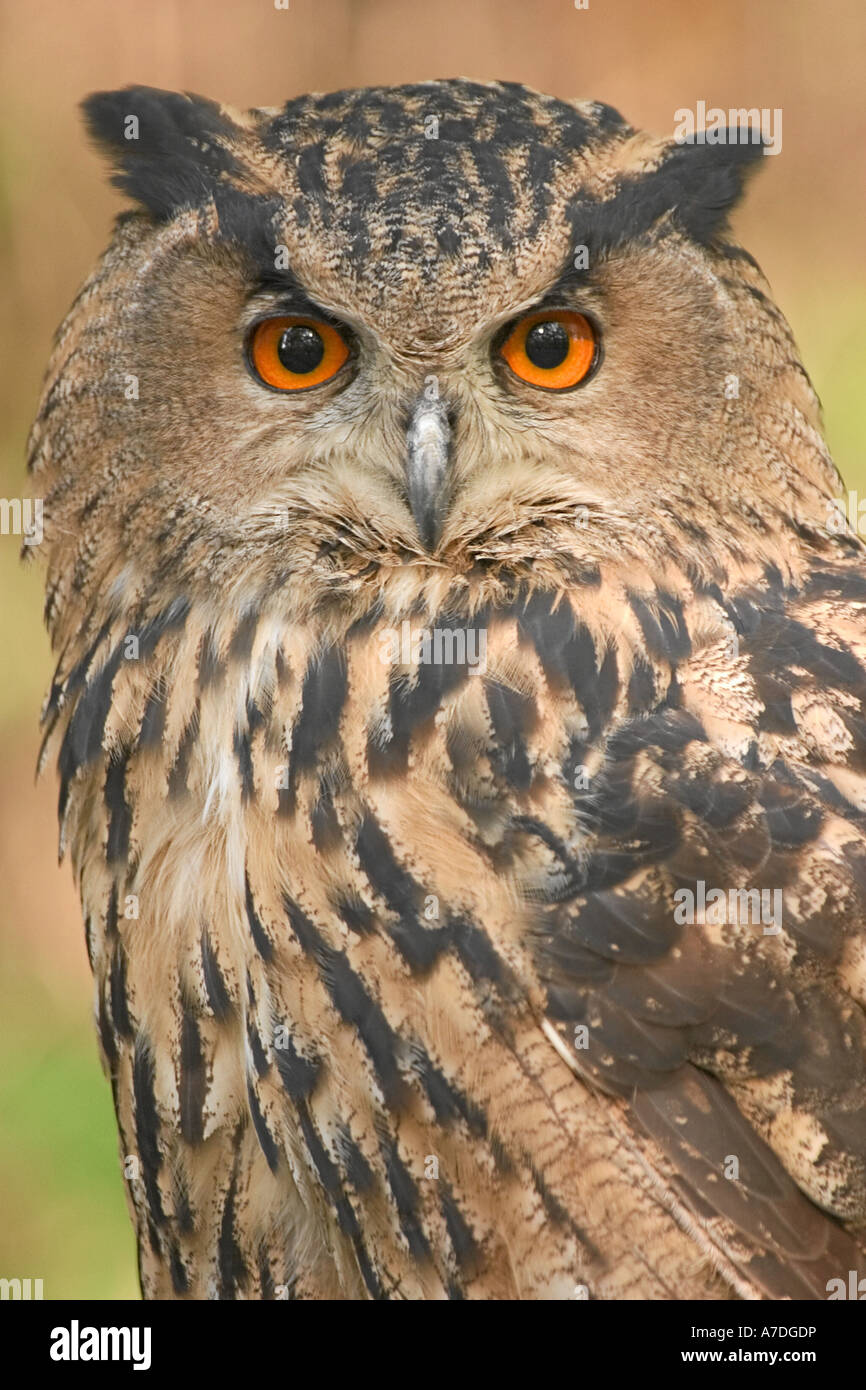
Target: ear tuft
x: 169, y: 149
x: 704, y: 182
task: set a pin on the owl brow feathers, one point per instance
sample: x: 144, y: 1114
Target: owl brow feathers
x: 174, y: 151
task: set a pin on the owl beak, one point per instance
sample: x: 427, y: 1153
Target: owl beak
x: 428, y: 439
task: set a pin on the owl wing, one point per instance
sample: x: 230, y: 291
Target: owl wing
x: 703, y: 950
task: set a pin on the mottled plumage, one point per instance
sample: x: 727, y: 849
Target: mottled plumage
x: 348, y: 909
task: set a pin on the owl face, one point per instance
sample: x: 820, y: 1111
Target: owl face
x: 441, y: 334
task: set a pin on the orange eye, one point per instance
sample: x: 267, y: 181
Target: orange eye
x: 553, y: 348
x: 292, y: 353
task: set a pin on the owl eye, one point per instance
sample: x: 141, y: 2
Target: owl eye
x: 293, y: 353
x: 553, y: 348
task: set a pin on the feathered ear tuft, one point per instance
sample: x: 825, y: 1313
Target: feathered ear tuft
x: 703, y: 182
x: 687, y: 184
x: 169, y: 149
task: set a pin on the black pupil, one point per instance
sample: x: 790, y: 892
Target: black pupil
x: 301, y: 349
x: 547, y: 344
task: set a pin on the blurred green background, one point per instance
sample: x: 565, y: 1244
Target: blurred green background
x: 64, y: 1216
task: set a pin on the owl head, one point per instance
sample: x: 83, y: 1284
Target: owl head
x: 417, y: 342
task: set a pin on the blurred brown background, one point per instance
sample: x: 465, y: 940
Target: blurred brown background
x: 64, y: 1217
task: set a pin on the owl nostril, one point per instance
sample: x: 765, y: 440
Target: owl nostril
x: 428, y: 441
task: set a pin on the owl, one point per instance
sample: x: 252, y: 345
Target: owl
x: 458, y: 710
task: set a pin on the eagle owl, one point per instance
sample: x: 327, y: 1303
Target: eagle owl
x: 458, y: 710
